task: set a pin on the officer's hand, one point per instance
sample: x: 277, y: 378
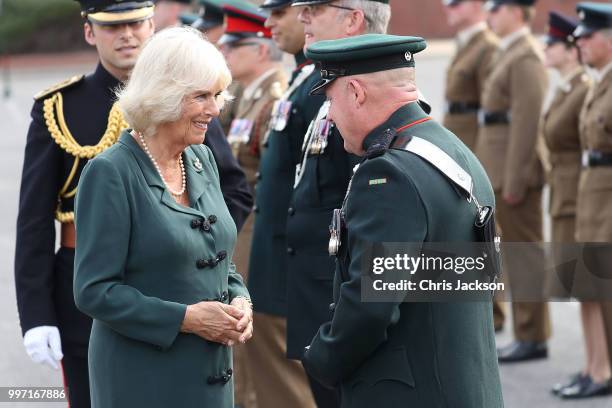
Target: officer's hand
x: 213, y: 321
x: 245, y: 324
x: 43, y: 344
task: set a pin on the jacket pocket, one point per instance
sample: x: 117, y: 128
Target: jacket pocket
x: 387, y: 365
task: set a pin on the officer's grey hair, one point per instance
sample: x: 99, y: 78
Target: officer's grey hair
x: 377, y: 15
x: 174, y: 63
x: 274, y: 53
x: 398, y: 77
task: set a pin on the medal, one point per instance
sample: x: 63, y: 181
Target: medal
x: 335, y: 230
x: 280, y: 115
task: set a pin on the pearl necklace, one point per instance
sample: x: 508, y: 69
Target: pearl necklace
x: 184, y: 178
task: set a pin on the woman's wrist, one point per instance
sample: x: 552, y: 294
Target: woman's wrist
x: 186, y: 324
x: 246, y: 299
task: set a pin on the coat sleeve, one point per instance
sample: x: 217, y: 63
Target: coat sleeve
x: 103, y: 222
x: 373, y: 217
x: 235, y: 284
x: 35, y: 243
x: 234, y: 186
x: 528, y: 82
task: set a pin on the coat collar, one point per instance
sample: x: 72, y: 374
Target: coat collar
x: 405, y: 115
x: 197, y: 179
x: 104, y: 79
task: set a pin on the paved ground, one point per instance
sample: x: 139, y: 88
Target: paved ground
x: 525, y: 385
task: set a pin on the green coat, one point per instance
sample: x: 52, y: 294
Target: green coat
x: 417, y: 355
x: 136, y: 269
x: 269, y: 250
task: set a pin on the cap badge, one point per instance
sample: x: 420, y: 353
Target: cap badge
x: 408, y: 56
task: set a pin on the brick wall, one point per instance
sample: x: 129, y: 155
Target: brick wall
x: 426, y: 17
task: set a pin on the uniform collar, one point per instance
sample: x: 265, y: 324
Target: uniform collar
x: 104, y: 78
x: 510, y: 39
x: 464, y: 36
x: 405, y: 115
x: 601, y: 74
x: 566, y: 82
x: 250, y: 91
x: 300, y: 60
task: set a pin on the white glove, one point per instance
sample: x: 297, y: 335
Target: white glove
x: 43, y: 345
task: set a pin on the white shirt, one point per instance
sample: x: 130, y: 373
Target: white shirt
x: 249, y: 91
x: 510, y: 39
x: 464, y: 36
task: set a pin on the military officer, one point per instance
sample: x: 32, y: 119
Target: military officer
x: 469, y: 67
x: 71, y: 123
x: 255, y: 62
x: 322, y: 177
x: 593, y: 218
x: 210, y: 19
x: 398, y: 354
x: 291, y: 115
x: 511, y: 103
x: 559, y: 128
x: 465, y: 77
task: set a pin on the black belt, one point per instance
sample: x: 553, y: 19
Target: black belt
x: 493, y: 118
x: 594, y: 158
x: 458, y: 108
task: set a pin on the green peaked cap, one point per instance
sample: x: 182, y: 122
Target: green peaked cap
x: 362, y: 54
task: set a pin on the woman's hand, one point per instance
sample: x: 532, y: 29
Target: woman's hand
x: 245, y: 324
x: 214, y: 321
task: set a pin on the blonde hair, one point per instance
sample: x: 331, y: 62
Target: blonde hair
x: 174, y: 63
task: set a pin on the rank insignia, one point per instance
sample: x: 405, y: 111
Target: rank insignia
x: 375, y: 182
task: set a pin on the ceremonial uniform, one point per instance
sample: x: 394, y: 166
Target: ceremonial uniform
x: 465, y: 79
x: 512, y: 99
x: 268, y: 263
x: 594, y: 217
x: 394, y: 354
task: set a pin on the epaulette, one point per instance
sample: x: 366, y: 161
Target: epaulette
x: 381, y: 144
x: 57, y: 87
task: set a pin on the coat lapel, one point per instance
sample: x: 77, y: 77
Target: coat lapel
x: 198, y: 181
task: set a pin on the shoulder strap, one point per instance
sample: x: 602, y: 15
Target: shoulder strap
x: 59, y: 87
x: 443, y: 162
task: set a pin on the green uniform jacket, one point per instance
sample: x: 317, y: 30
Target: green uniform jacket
x: 418, y: 355
x: 311, y: 270
x: 268, y: 260
x: 138, y: 265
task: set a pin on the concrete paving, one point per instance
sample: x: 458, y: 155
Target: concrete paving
x: 525, y: 385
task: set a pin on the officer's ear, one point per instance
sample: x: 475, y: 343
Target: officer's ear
x: 357, y: 23
x: 89, y: 34
x: 357, y: 93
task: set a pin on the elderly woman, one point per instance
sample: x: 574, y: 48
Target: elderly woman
x: 155, y: 240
